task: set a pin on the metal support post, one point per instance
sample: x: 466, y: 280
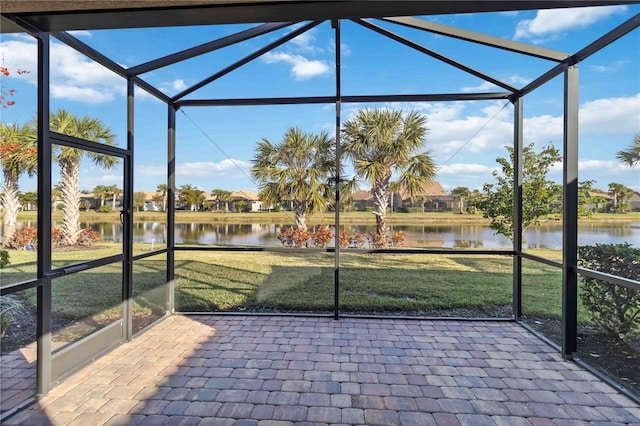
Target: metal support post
x: 570, y: 215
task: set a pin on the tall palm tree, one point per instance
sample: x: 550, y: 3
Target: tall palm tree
x: 222, y: 196
x: 18, y: 154
x: 90, y: 129
x: 301, y: 169
x: 101, y: 191
x: 381, y: 142
x: 631, y: 156
x: 115, y: 192
x: 163, y: 189
x: 461, y: 193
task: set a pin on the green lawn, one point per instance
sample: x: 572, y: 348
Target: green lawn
x: 427, y: 284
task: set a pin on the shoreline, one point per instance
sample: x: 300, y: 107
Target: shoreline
x: 348, y: 218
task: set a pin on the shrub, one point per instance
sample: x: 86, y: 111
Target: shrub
x: 105, y: 209
x: 322, y: 237
x: 88, y: 236
x: 378, y: 240
x: 4, y: 258
x: 344, y: 239
x: 613, y: 307
x: 358, y: 240
x: 27, y: 236
x: 290, y: 237
x: 56, y: 236
x: 397, y: 238
x: 9, y: 307
x: 301, y: 238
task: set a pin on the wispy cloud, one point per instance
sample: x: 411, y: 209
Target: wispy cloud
x: 515, y: 80
x: 202, y: 169
x: 466, y: 168
x: 616, y: 66
x: 549, y: 23
x: 301, y: 67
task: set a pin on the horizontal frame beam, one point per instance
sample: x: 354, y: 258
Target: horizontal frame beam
x: 73, y: 142
x: 444, y: 97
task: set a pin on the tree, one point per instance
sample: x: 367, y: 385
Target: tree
x: 18, y: 154
x: 102, y: 192
x: 539, y: 194
x: 69, y: 158
x: 158, y: 200
x: 301, y: 169
x: 115, y: 192
x: 191, y: 196
x: 240, y: 205
x: 138, y: 200
x: 631, y: 156
x: 381, y: 142
x: 621, y: 195
x: 222, y: 196
x: 461, y: 193
x: 28, y: 200
x: 164, y: 190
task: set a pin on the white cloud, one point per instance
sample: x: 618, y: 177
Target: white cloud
x: 487, y: 128
x: 611, y: 116
x: 179, y: 84
x: 201, y: 169
x: 301, y: 67
x: 73, y: 76
x: 466, y: 169
x: 305, y: 41
x: 598, y: 165
x: 552, y: 22
x: 542, y: 129
x: 514, y: 80
x: 173, y: 87
x: 482, y: 87
x: 80, y: 33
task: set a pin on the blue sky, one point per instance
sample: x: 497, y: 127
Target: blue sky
x: 215, y: 144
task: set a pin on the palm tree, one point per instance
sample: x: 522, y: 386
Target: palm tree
x: 222, y: 196
x: 163, y: 189
x: 631, y: 156
x: 620, y: 195
x: 18, y: 154
x: 101, y: 191
x: 192, y: 196
x: 461, y: 193
x: 68, y: 158
x: 382, y: 142
x: 301, y: 169
x: 115, y: 193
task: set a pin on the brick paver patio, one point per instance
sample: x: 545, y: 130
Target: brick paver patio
x: 234, y: 370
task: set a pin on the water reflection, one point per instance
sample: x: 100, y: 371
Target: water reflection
x: 548, y: 236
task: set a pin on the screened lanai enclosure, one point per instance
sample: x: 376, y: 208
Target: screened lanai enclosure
x: 180, y: 116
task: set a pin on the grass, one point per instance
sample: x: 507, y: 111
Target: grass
x: 422, y: 284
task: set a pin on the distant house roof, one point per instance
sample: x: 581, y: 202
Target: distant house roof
x: 362, y: 196
x: 430, y: 189
x: 244, y: 195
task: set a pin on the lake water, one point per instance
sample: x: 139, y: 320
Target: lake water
x: 428, y: 236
